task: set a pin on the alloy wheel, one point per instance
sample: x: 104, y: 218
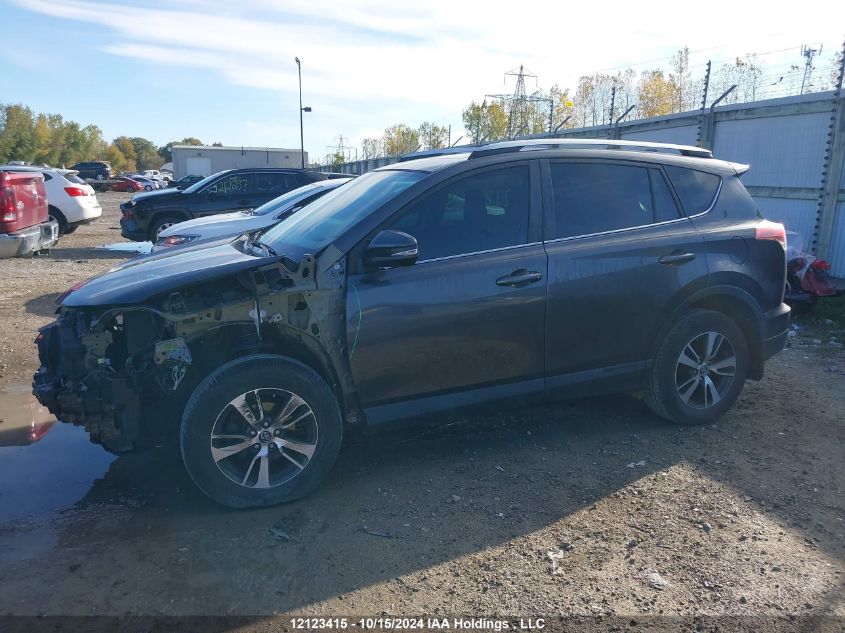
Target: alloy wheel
x: 164, y: 226
x: 705, y: 370
x: 264, y: 438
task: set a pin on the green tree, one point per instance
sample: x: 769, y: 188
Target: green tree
x: 127, y: 148
x: 167, y: 155
x: 17, y: 137
x: 146, y: 155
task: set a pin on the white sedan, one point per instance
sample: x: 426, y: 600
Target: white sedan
x: 214, y: 227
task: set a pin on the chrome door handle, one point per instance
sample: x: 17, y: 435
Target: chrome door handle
x: 519, y: 277
x: 677, y: 258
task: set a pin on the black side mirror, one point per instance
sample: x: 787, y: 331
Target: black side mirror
x: 390, y: 249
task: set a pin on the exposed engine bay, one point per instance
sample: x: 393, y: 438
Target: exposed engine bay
x: 125, y: 372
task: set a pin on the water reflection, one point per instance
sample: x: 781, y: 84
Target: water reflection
x: 45, y: 468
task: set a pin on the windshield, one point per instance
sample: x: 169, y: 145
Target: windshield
x: 330, y: 216
x: 202, y: 183
x: 287, y: 199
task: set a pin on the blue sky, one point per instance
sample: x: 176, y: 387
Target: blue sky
x: 224, y: 71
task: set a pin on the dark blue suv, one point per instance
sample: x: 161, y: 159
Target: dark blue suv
x: 517, y: 272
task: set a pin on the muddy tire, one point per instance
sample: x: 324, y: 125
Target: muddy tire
x: 259, y: 431
x: 699, y: 370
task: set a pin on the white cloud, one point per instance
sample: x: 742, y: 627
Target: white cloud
x: 371, y: 63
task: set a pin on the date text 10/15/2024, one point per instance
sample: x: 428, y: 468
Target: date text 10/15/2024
x: 385, y: 623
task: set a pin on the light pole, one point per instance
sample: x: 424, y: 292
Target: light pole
x: 301, y: 110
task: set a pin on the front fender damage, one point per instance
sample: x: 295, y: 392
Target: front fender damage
x: 109, y: 369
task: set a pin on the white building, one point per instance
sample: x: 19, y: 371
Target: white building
x: 204, y: 160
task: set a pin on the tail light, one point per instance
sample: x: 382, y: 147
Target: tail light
x: 128, y: 214
x: 767, y: 230
x: 76, y: 191
x: 9, y: 206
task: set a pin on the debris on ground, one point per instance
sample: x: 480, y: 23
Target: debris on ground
x: 280, y: 534
x: 656, y: 581
x: 380, y: 533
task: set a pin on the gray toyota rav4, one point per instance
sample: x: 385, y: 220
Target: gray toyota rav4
x: 516, y: 272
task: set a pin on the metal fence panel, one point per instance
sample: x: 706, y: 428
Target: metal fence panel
x: 837, y: 249
x: 683, y: 135
x: 783, y: 151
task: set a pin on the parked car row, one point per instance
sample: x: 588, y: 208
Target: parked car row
x: 71, y: 202
x: 513, y: 273
x: 25, y: 226
x: 146, y: 215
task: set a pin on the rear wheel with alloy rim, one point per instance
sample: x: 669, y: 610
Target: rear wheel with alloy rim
x: 259, y: 431
x: 699, y: 370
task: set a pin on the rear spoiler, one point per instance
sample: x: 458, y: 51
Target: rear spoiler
x: 740, y: 168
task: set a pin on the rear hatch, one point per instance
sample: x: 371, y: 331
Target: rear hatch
x: 23, y: 201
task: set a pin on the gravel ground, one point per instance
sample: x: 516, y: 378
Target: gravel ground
x: 587, y: 508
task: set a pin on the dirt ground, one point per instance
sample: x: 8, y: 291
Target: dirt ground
x: 586, y: 508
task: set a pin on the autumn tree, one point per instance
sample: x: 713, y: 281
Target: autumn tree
x: 400, y: 139
x: 433, y: 136
x: 372, y: 147
x: 485, y: 122
x: 656, y: 94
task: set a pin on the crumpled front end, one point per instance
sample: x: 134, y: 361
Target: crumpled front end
x: 77, y: 383
x: 125, y: 372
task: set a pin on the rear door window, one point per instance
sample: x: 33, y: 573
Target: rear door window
x: 696, y: 189
x: 598, y: 197
x: 233, y: 185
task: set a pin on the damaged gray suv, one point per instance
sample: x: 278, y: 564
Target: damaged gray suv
x: 515, y: 272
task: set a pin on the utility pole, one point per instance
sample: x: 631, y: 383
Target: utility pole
x: 519, y: 104
x: 301, y: 110
x: 808, y: 54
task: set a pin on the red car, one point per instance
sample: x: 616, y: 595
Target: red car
x: 127, y: 184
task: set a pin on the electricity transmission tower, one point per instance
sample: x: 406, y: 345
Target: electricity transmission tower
x: 519, y: 106
x: 808, y: 54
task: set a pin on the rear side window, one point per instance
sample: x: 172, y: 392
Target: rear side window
x: 696, y: 189
x: 594, y: 198
x: 274, y: 183
x: 665, y: 208
x: 74, y: 179
x: 479, y: 212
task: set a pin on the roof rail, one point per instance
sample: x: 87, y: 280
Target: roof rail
x: 588, y: 143
x: 443, y: 151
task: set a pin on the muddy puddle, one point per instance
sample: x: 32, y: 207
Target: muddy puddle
x: 45, y: 468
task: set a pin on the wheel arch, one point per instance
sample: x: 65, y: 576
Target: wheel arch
x: 735, y: 303
x: 220, y: 346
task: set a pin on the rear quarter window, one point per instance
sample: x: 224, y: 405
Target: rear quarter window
x: 696, y: 189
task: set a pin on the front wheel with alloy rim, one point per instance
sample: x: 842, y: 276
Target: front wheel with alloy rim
x: 699, y: 370
x: 260, y: 430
